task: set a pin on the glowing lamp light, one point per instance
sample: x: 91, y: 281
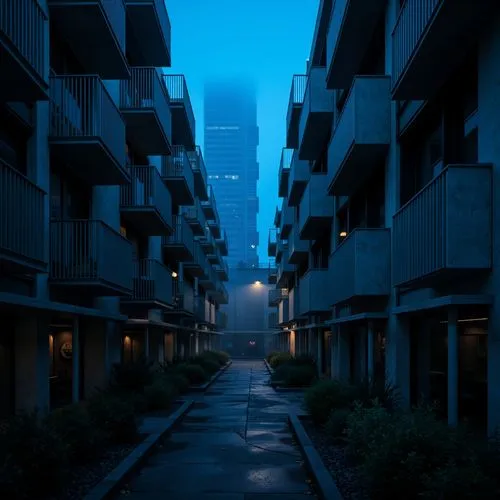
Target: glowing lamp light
x: 251, y: 342
x: 343, y: 234
x: 174, y: 274
x: 258, y: 283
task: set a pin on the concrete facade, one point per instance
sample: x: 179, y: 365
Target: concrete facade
x: 409, y: 160
x: 110, y: 245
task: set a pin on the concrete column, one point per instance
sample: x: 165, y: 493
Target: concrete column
x: 343, y: 355
x: 370, y: 351
x: 96, y: 375
x: 32, y: 369
x: 424, y: 360
x: 312, y: 344
x: 333, y: 353
x: 147, y: 347
x: 453, y: 350
x: 320, y: 345
x: 362, y: 353
x: 398, y: 356
x: 76, y: 361
x: 197, y: 343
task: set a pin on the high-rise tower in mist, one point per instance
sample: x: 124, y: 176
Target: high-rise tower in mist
x: 231, y: 140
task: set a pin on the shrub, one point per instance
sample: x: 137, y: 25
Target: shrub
x: 294, y: 376
x: 223, y: 357
x: 325, y: 396
x: 178, y: 380
x: 303, y: 360
x: 74, y: 426
x: 194, y: 373
x: 336, y: 425
x: 386, y: 394
x: 279, y: 359
x: 32, y: 459
x: 160, y: 394
x: 219, y: 357
x: 209, y: 365
x: 271, y: 355
x: 114, y: 415
x: 133, y: 376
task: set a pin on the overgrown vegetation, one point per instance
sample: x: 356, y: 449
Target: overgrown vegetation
x: 403, y: 454
x: 292, y: 371
x: 36, y: 453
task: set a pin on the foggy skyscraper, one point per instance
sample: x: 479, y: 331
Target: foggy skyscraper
x: 231, y: 140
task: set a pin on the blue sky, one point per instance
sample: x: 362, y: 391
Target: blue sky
x: 268, y: 40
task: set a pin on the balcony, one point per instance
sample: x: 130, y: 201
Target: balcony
x: 295, y: 104
x: 209, y: 206
x: 285, y: 270
x: 183, y: 298
x: 87, y: 131
x: 287, y: 219
x: 284, y: 172
x: 277, y: 217
x: 209, y: 280
x: 316, y: 209
x: 272, y: 242
x: 220, y: 294
x: 360, y: 267
x: 221, y: 320
x: 272, y: 320
x: 201, y: 310
x: 195, y: 267
x: 316, y: 116
x: 222, y: 270
x: 276, y: 295
x: 298, y: 249
x: 179, y: 246
x: 22, y: 220
x: 207, y: 241
x: 314, y: 291
x: 294, y: 304
x: 223, y: 243
x: 300, y: 173
x: 183, y: 121
x: 281, y: 246
x: 152, y: 283
x: 89, y: 255
x: 23, y: 63
x: 144, y: 104
x: 283, y: 312
x: 362, y: 136
x: 195, y: 218
x: 351, y: 30
x: 200, y: 173
x: 145, y: 202
x: 429, y: 46
x: 102, y: 53
x: 178, y: 175
x: 148, y: 33
x: 214, y: 222
x: 445, y: 230
x: 272, y: 276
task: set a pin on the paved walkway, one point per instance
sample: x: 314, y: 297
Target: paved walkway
x: 234, y: 444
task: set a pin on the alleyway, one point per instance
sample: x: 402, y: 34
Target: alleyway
x: 234, y: 444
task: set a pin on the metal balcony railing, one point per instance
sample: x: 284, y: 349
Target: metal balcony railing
x: 152, y: 281
x: 410, y: 26
x: 297, y: 93
x: 276, y: 295
x: 181, y: 235
x: 24, y: 23
x: 221, y: 319
x: 81, y: 108
x: 21, y: 216
x: 176, y: 165
x: 145, y: 90
x: 89, y: 250
x: 179, y: 94
x: 195, y: 213
x: 146, y: 189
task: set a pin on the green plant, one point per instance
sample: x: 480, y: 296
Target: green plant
x: 219, y: 357
x: 114, y: 415
x: 294, y: 376
x: 160, y: 394
x: 133, y: 376
x: 271, y: 355
x: 303, y: 360
x: 279, y: 359
x: 209, y: 365
x: 178, y: 380
x: 325, y: 396
x: 336, y: 424
x: 194, y: 373
x: 73, y: 424
x: 33, y: 458
x: 386, y: 394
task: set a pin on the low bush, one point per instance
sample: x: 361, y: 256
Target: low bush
x: 220, y: 357
x: 114, y: 415
x: 294, y: 376
x: 271, y: 355
x: 133, y: 376
x: 84, y: 441
x: 178, y: 380
x: 194, y: 373
x: 325, y: 396
x: 33, y: 458
x: 336, y: 424
x: 208, y: 363
x: 413, y: 455
x: 160, y: 394
x: 378, y: 390
x: 303, y: 360
x: 279, y: 359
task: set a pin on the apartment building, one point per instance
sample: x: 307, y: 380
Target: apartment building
x: 386, y: 237
x: 110, y: 247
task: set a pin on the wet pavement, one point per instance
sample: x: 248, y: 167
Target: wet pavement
x: 234, y: 444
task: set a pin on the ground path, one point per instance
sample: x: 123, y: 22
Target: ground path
x: 234, y: 444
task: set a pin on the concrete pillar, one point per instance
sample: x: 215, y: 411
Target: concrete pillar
x: 197, y: 343
x: 32, y: 369
x: 333, y: 353
x: 370, y: 351
x: 312, y: 344
x: 398, y: 356
x: 147, y: 347
x: 75, y: 390
x: 343, y: 361
x: 320, y: 345
x: 362, y: 353
x: 424, y: 361
x: 453, y: 350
